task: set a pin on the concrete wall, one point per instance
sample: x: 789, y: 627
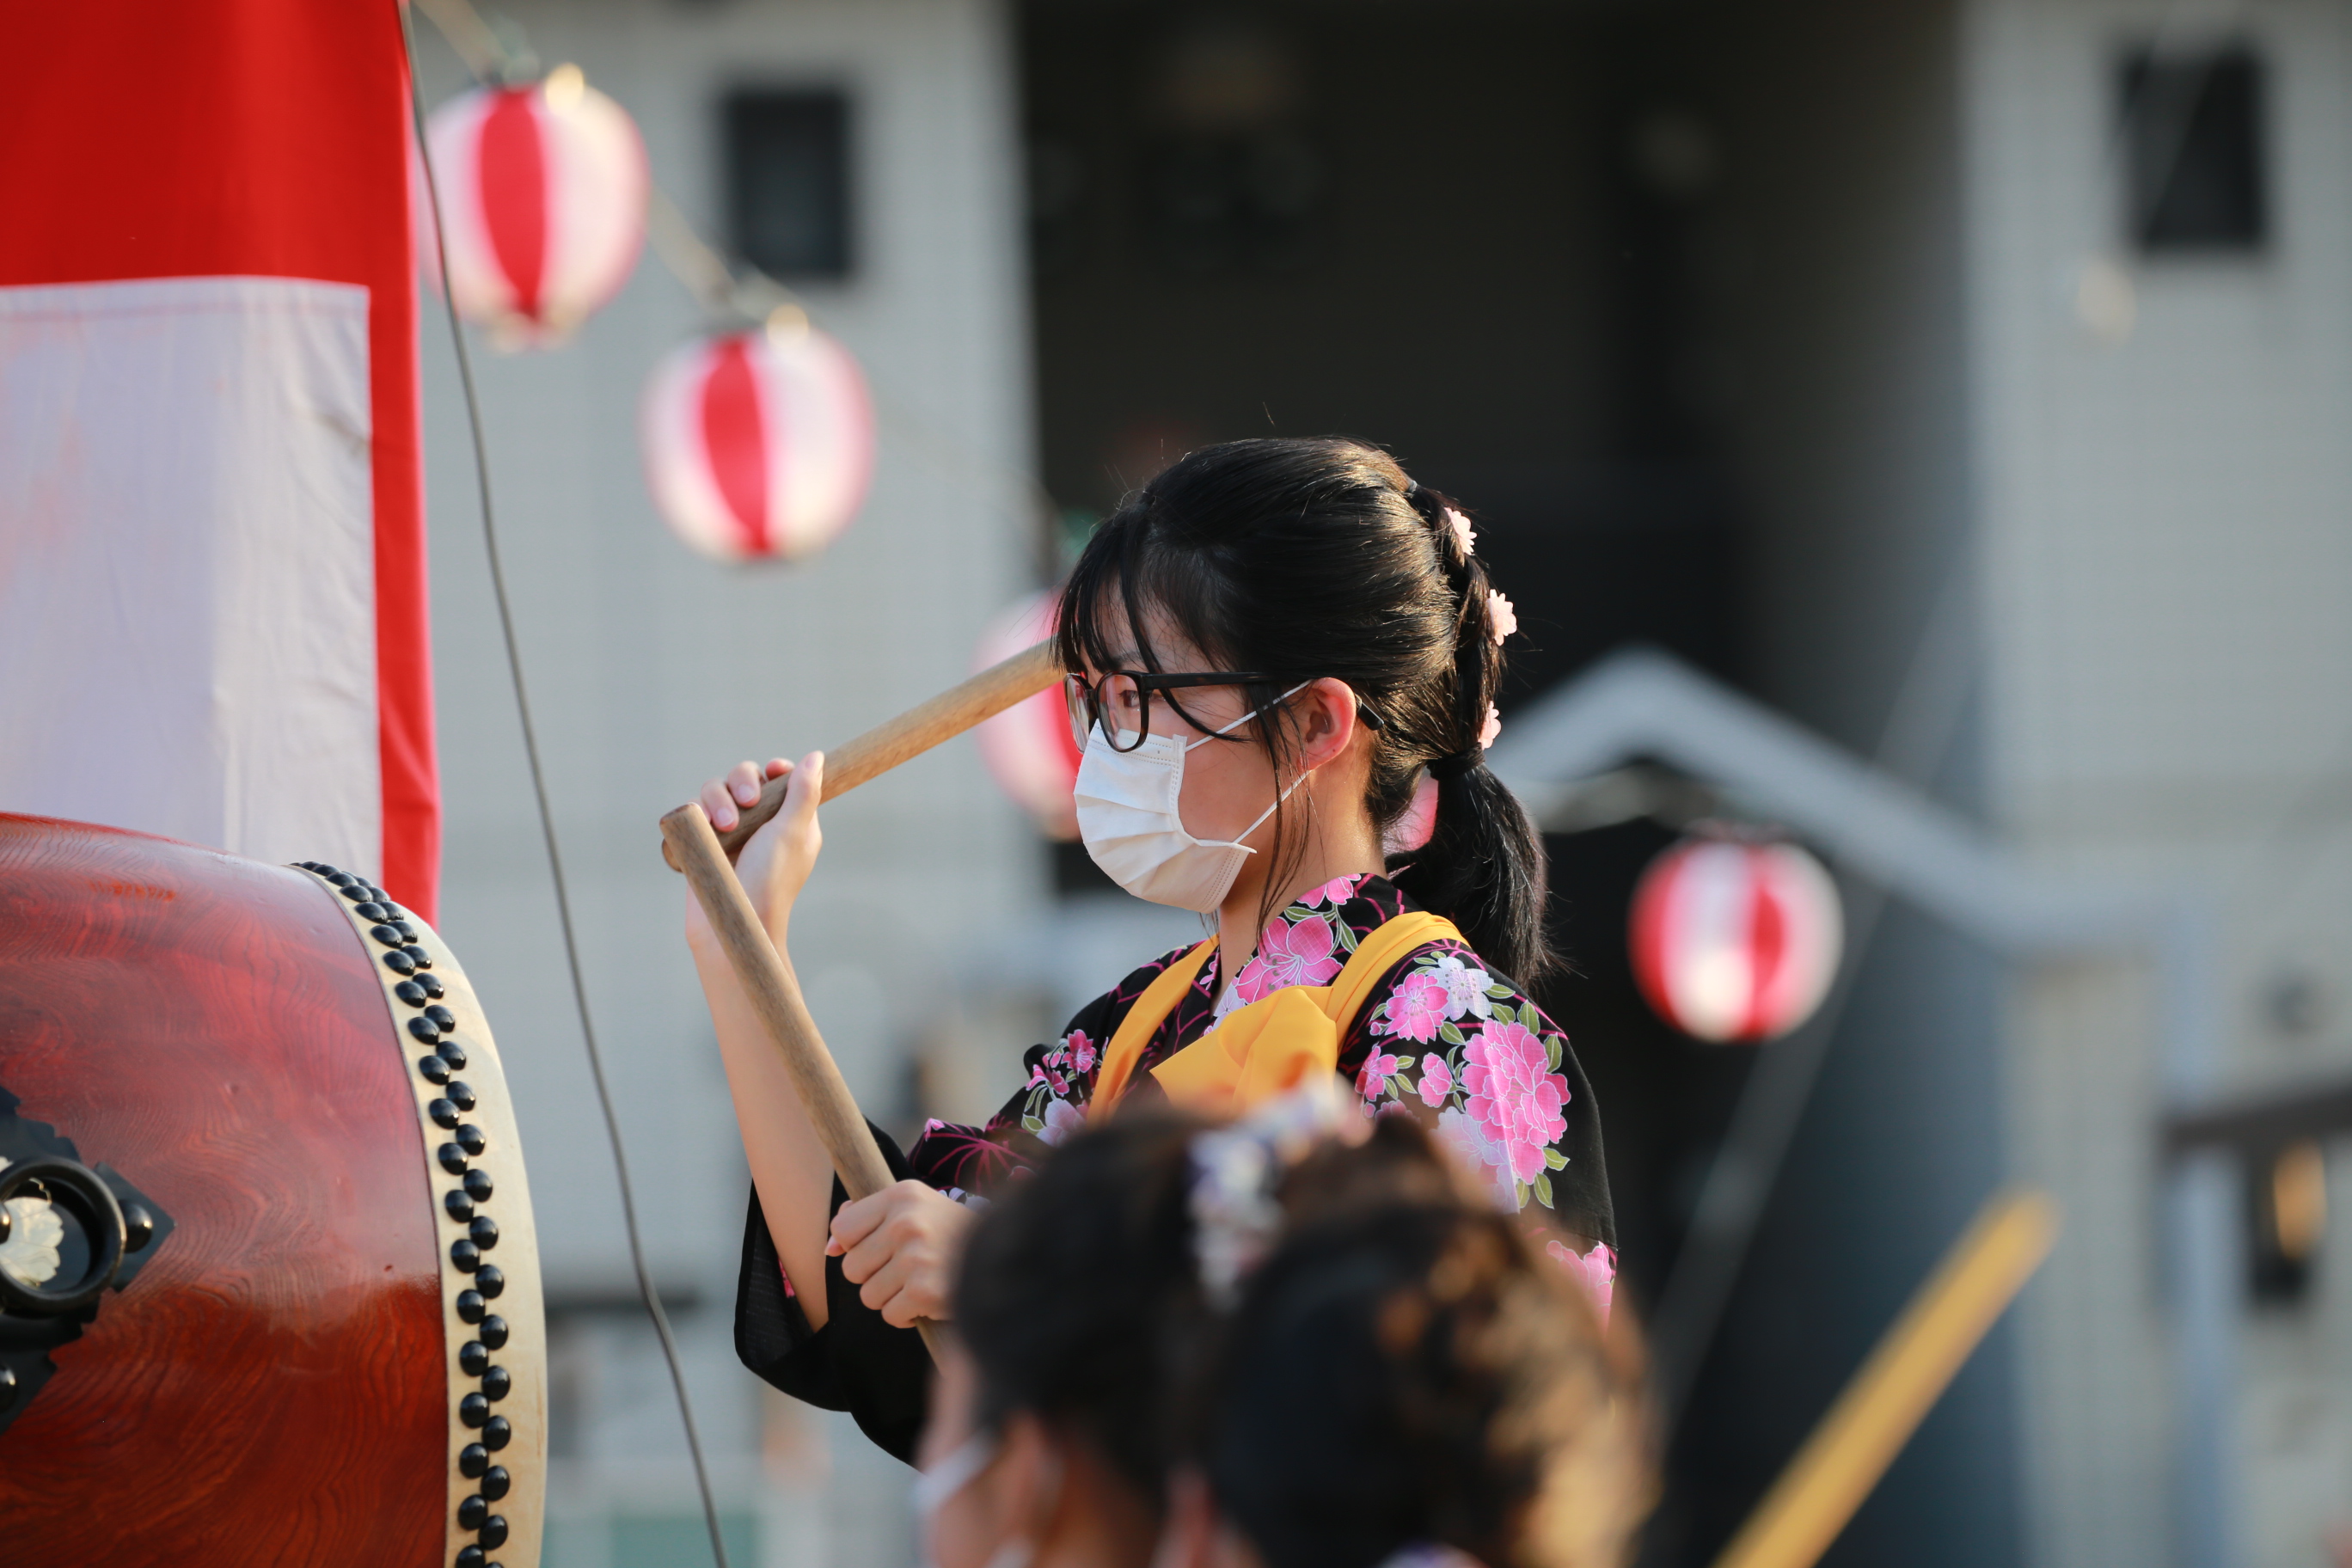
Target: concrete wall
x: 2167, y: 593
x: 651, y: 668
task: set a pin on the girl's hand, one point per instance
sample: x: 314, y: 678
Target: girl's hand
x: 899, y: 1247
x: 775, y: 865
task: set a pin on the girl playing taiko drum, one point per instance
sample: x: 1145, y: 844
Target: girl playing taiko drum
x: 1284, y: 658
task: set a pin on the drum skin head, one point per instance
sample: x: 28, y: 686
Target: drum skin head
x: 276, y: 1383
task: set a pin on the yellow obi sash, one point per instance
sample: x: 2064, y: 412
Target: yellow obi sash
x: 1273, y: 1045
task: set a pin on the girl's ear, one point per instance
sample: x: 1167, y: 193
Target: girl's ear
x: 1327, y: 721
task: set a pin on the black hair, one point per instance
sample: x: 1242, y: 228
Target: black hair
x: 1405, y: 1369
x: 1300, y: 559
x: 1077, y: 1297
x: 1401, y: 1369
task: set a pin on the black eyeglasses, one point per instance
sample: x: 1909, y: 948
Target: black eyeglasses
x: 1120, y: 702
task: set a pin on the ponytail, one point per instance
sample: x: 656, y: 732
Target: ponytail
x: 1482, y: 865
x: 1306, y: 558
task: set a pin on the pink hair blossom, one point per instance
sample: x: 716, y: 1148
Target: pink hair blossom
x: 1493, y: 727
x: 1464, y: 534
x: 1436, y: 1080
x: 1504, y: 619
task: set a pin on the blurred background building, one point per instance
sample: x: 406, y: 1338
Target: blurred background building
x: 1969, y: 380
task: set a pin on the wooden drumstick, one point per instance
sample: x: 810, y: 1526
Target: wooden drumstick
x: 911, y: 734
x: 775, y: 995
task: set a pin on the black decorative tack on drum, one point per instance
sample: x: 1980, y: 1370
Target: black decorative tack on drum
x: 400, y: 963
x: 418, y: 956
x: 444, y: 1111
x: 454, y: 1054
x: 464, y: 1255
x: 435, y: 1070
x: 460, y: 1098
x: 474, y: 1410
x: 473, y: 1358
x: 491, y: 1281
x: 459, y: 1205
x: 470, y: 1138
x: 474, y: 1462
x: 478, y: 1186
x: 473, y: 1557
x: 452, y: 1158
x: 493, y: 1329
x: 483, y: 1232
x: 496, y: 1434
x: 496, y: 1481
x: 442, y: 1018
x: 473, y: 1513
x: 497, y: 1382
x: 470, y: 1308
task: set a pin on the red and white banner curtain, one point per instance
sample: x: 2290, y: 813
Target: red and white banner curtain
x: 213, y: 616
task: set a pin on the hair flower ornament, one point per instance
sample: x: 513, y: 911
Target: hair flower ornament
x: 1500, y: 616
x: 1464, y: 534
x: 1493, y: 727
x: 1235, y: 1170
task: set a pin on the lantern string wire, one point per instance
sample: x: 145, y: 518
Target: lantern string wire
x: 734, y: 291
x: 645, y: 1288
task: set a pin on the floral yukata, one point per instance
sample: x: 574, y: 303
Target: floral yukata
x: 1442, y: 1037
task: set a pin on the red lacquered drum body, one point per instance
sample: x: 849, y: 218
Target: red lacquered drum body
x: 290, y: 1366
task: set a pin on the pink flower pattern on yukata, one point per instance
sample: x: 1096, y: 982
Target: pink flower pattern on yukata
x: 1289, y: 956
x: 1515, y: 1096
x: 1442, y: 1040
x: 1062, y: 1118
x: 1415, y: 1009
x: 1466, y: 987
x: 1596, y: 1271
x: 1335, y: 892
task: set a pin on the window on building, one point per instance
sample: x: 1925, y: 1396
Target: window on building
x: 2192, y: 132
x: 788, y: 181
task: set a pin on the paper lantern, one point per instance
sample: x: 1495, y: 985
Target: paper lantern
x: 1028, y: 748
x: 1736, y: 941
x: 543, y: 203
x: 758, y: 445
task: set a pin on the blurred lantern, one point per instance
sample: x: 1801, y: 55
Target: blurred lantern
x: 758, y: 445
x: 1735, y: 940
x: 543, y: 195
x: 1028, y: 748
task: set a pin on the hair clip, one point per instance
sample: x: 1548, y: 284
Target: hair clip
x: 1234, y: 1172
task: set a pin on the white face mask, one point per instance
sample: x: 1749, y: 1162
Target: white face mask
x: 1130, y: 820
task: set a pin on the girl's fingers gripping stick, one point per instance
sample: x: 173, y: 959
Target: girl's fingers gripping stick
x: 775, y: 996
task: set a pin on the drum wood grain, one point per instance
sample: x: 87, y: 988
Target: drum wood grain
x: 273, y: 1388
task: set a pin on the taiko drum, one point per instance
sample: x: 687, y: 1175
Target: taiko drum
x: 268, y: 1285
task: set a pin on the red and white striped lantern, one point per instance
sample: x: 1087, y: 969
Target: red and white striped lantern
x: 1734, y: 941
x: 1028, y: 748
x: 758, y: 445
x: 543, y: 197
